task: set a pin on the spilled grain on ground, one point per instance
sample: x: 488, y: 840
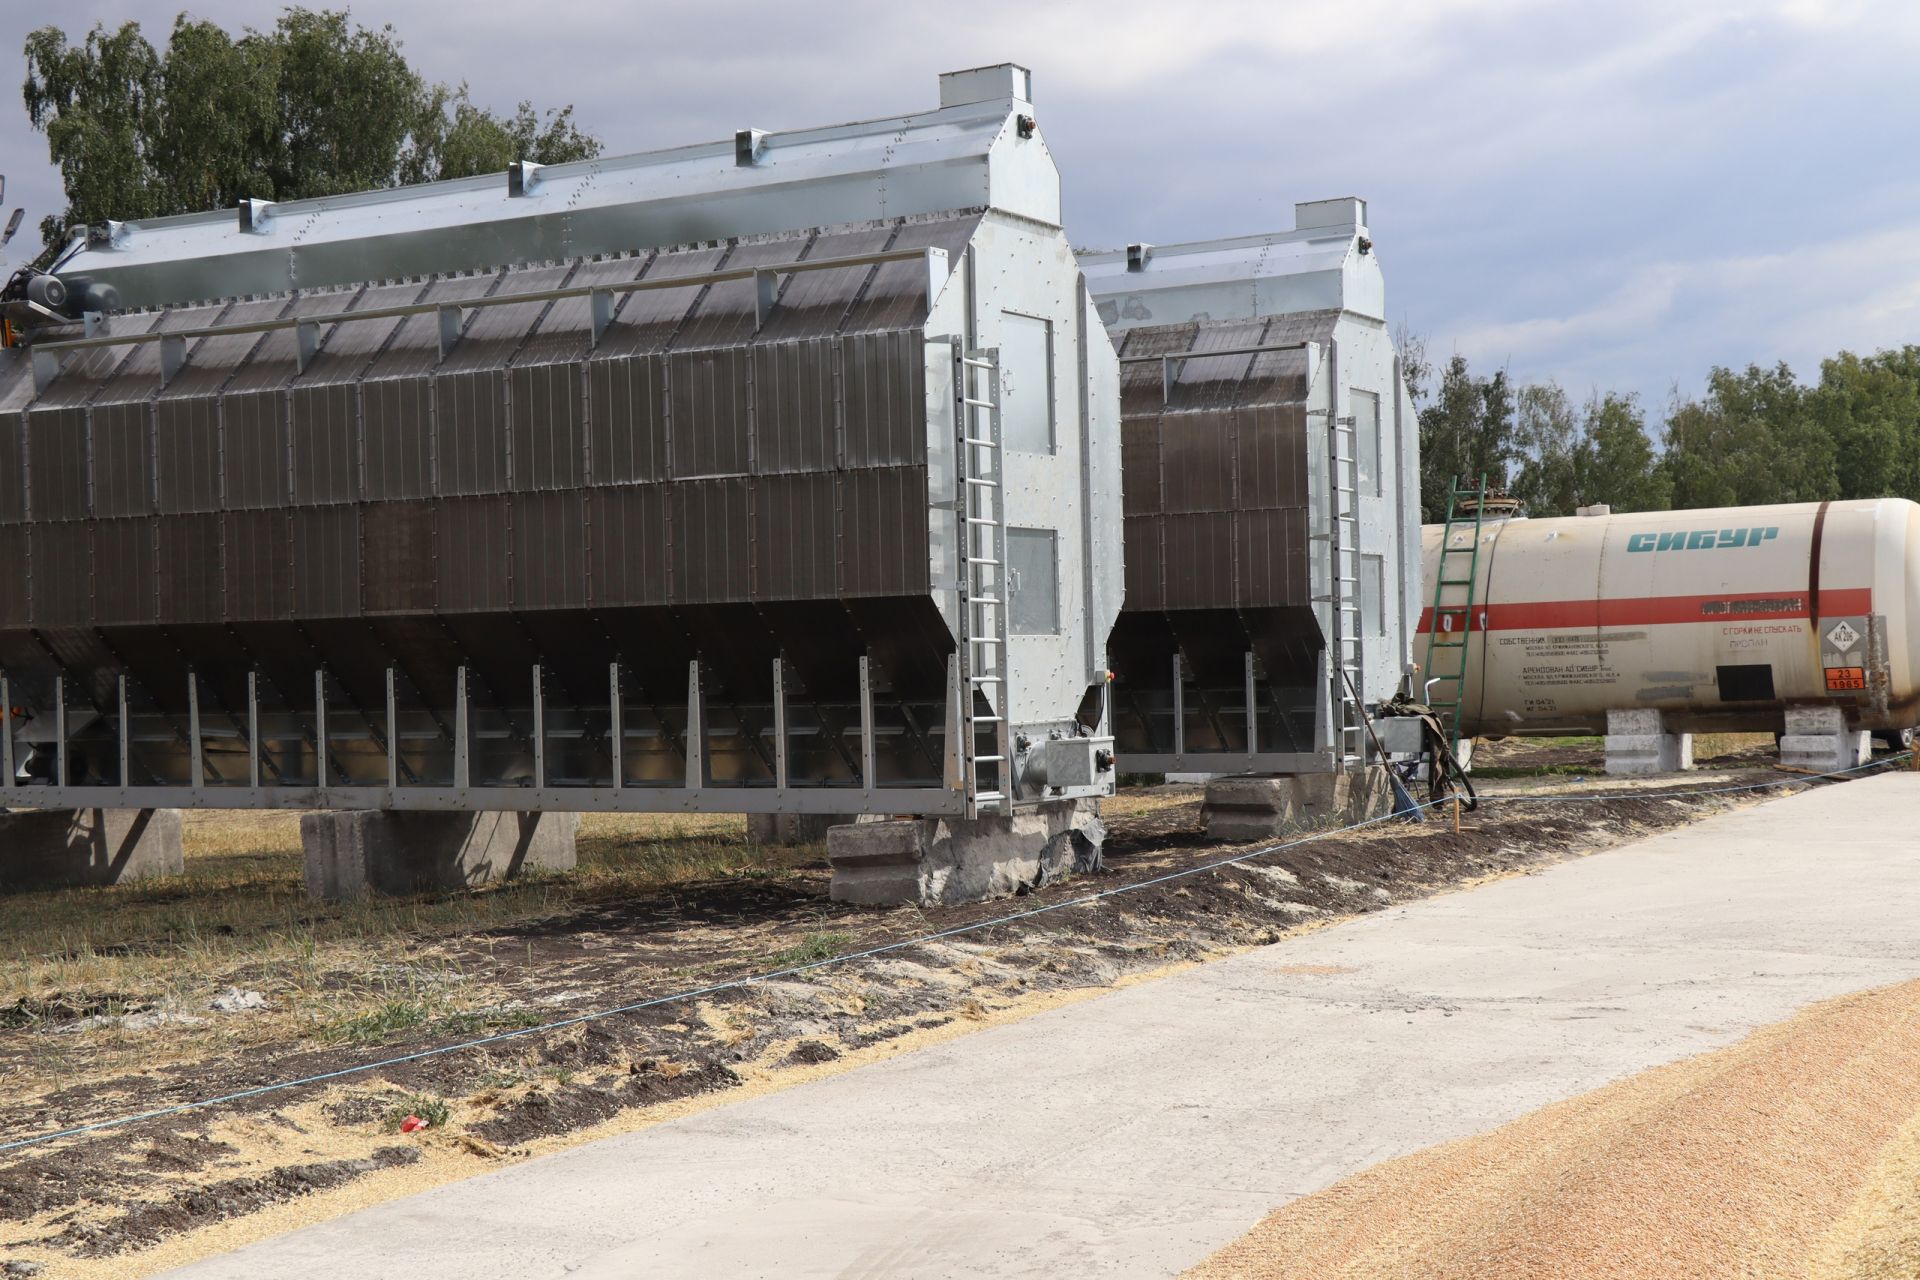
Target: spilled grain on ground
x: 1799, y: 1143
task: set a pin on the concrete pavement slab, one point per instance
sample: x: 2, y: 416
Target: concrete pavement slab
x: 1133, y: 1134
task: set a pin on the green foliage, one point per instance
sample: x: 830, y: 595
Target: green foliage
x: 314, y: 106
x: 1468, y: 430
x: 1600, y: 453
x: 1750, y: 440
x: 434, y: 1111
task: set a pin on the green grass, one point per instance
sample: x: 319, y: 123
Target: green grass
x: 433, y: 1110
x: 811, y: 949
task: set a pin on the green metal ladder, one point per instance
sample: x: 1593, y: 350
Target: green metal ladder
x: 1454, y: 579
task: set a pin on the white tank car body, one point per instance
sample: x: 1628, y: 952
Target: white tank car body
x: 1720, y: 618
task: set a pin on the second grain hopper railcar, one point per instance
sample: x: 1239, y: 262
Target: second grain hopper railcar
x: 772, y: 475
x: 1271, y: 482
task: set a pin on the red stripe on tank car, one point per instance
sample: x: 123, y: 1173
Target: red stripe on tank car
x: 1645, y: 611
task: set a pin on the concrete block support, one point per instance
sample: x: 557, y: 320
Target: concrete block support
x: 799, y: 828
x: 1260, y: 806
x: 1817, y: 738
x: 947, y: 861
x: 1638, y: 741
x: 62, y: 848
x: 353, y: 852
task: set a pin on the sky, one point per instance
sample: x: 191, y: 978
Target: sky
x: 1615, y: 194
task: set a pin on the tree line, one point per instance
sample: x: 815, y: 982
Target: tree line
x: 1755, y: 436
x: 315, y: 105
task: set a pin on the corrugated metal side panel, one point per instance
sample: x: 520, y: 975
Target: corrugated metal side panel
x: 326, y: 565
x: 549, y: 550
x: 397, y: 437
x: 473, y: 540
x: 712, y: 424
x: 398, y: 572
x: 125, y: 582
x: 189, y: 577
x: 326, y: 443
x: 57, y: 459
x: 1140, y: 466
x: 122, y: 452
x: 62, y: 573
x: 259, y: 564
x: 549, y: 435
x: 883, y: 532
x: 254, y: 433
x: 13, y: 472
x: 1214, y: 480
x: 795, y: 518
x: 1199, y: 560
x: 137, y: 377
x: 15, y: 566
x: 629, y: 555
x: 713, y: 541
x: 628, y: 428
x: 1145, y: 570
x: 884, y: 381
x: 1197, y: 453
x: 186, y: 445
x: 470, y: 413
x: 1271, y: 442
x: 796, y: 418
x: 1271, y: 550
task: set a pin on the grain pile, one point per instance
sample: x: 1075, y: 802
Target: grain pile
x: 1796, y: 1151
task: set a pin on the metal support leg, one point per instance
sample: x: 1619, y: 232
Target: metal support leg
x: 616, y: 730
x: 123, y: 730
x: 1179, y: 707
x: 956, y: 726
x: 253, y: 728
x: 320, y: 745
x: 696, y: 730
x: 539, y: 729
x: 1253, y: 714
x: 866, y: 724
x: 6, y: 732
x: 198, y: 769
x: 393, y: 734
x: 462, y: 735
x: 780, y: 724
x: 60, y: 730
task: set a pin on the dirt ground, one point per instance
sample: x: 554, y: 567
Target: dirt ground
x: 179, y: 992
x: 1795, y: 1153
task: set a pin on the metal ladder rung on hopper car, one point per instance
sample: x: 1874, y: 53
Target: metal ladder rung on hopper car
x: 983, y: 581
x: 1343, y: 595
x: 1451, y: 627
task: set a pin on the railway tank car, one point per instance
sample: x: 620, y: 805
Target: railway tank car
x: 1720, y: 620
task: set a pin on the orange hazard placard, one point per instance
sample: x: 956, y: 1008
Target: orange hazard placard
x: 1841, y: 678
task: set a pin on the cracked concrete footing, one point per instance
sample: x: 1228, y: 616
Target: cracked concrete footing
x: 948, y: 861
